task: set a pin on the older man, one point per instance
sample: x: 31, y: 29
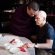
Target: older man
x: 45, y: 35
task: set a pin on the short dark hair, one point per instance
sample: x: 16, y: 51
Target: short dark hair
x: 34, y: 5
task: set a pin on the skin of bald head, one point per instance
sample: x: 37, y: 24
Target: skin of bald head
x: 40, y: 18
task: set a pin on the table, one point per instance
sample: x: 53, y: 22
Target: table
x: 7, y: 37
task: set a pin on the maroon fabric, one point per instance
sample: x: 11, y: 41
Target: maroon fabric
x: 21, y: 23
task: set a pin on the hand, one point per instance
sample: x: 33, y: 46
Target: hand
x: 25, y: 45
x: 31, y: 44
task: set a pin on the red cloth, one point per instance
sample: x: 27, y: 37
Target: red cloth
x: 22, y: 49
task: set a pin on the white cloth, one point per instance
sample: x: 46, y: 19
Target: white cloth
x: 7, y: 38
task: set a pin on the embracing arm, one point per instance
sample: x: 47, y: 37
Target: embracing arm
x: 47, y: 45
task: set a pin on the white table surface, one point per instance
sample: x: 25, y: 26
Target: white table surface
x: 9, y: 37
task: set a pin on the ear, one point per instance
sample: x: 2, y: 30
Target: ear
x: 44, y: 19
x: 27, y: 7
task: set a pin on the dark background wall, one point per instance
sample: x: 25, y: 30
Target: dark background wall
x: 47, y: 5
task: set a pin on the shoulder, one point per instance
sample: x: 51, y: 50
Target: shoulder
x: 49, y: 26
x: 50, y: 30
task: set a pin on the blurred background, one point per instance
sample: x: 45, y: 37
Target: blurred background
x: 11, y: 5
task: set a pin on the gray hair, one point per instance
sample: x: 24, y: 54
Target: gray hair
x: 42, y: 13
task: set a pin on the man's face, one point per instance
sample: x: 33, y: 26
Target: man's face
x: 31, y: 12
x: 39, y: 19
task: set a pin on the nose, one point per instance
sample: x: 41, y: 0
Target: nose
x: 32, y: 14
